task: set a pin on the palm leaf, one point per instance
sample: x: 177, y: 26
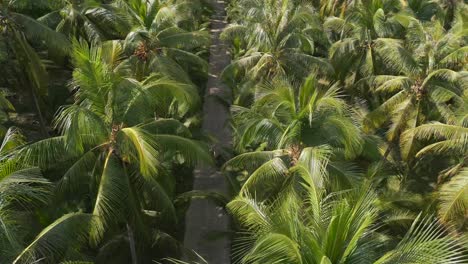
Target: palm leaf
x: 274, y: 248
x: 37, y: 31
x: 426, y: 242
x: 45, y: 153
x: 11, y: 140
x: 23, y: 186
x: 252, y: 160
x: 77, y: 174
x: 192, y: 151
x: 112, y: 198
x: 453, y: 198
x: 265, y: 180
x: 249, y: 213
x: 450, y: 137
x: 142, y: 148
x: 53, y: 242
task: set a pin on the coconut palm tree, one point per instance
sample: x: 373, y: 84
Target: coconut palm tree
x: 119, y: 147
x: 91, y: 20
x: 450, y: 138
x: 284, y: 115
x: 451, y: 142
x: 155, y: 37
x: 344, y: 114
x: 288, y: 216
x: 366, y: 40
x: 277, y: 40
x: 287, y: 121
x: 429, y: 86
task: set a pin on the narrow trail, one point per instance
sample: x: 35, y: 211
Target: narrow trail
x: 206, y: 223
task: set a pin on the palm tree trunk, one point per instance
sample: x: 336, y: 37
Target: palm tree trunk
x: 387, y: 152
x: 42, y: 123
x: 131, y: 239
x: 204, y: 219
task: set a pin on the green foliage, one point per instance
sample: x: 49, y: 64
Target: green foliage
x: 58, y: 237
x: 349, y: 123
x: 453, y: 199
x: 329, y: 166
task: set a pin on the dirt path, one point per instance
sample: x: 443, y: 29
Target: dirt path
x: 205, y: 222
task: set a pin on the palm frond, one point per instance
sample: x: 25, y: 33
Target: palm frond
x: 315, y: 160
x: 77, y: 123
x: 37, y: 31
x: 453, y: 197
x: 77, y: 174
x: 45, y: 153
x: 274, y: 248
x: 112, y: 197
x: 252, y: 160
x: 164, y: 90
x: 450, y: 137
x: 11, y: 140
x: 141, y: 149
x: 395, y: 56
x: 249, y: 213
x: 54, y: 241
x: 22, y: 186
x: 426, y: 241
x: 265, y: 180
x: 192, y: 152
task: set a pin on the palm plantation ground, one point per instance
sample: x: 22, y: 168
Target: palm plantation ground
x: 241, y: 131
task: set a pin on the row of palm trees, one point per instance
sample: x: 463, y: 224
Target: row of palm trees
x: 100, y: 184
x: 350, y: 121
x: 350, y: 124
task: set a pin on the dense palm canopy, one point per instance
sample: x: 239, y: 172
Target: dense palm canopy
x: 291, y: 116
x: 349, y: 121
x: 89, y: 19
x: 365, y: 39
x: 429, y: 87
x: 18, y: 33
x: 305, y: 224
x: 158, y: 35
x: 280, y: 40
x: 114, y: 142
x: 395, y: 99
